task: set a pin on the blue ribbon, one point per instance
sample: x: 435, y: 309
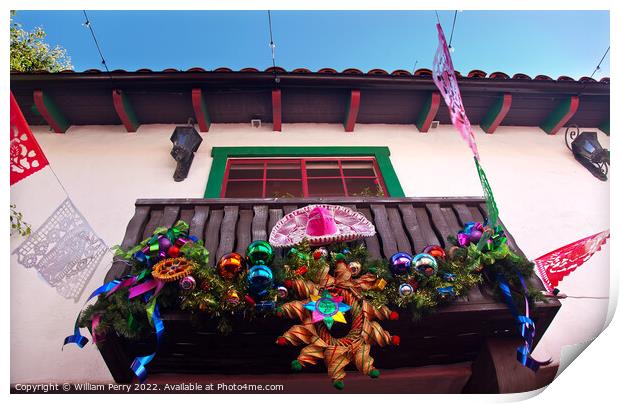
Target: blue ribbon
x: 77, y: 338
x: 447, y: 291
x: 142, y: 258
x: 266, y: 305
x: 138, y: 366
x: 527, y: 329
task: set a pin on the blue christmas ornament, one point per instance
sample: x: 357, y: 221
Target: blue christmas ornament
x: 400, y: 263
x: 260, y: 280
x: 425, y: 264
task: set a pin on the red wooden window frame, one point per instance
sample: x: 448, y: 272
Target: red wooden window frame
x: 304, y: 173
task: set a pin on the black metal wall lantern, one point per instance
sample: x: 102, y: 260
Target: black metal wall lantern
x: 588, y: 151
x: 185, y: 141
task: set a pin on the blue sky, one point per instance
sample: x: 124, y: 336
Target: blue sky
x: 532, y: 42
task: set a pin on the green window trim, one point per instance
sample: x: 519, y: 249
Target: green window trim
x: 222, y: 154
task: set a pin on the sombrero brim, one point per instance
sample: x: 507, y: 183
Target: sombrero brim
x: 291, y: 229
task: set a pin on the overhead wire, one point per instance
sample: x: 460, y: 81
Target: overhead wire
x: 452, y: 31
x: 92, y: 32
x: 598, y: 66
x: 272, y: 45
x: 89, y: 25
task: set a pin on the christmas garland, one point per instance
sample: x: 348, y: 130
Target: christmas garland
x: 317, y: 286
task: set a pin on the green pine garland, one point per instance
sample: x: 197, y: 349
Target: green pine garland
x: 210, y: 299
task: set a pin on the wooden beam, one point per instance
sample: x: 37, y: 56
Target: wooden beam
x: 50, y: 112
x: 125, y: 111
x: 429, y: 111
x: 560, y: 115
x: 276, y: 105
x: 495, y: 370
x: 604, y: 126
x: 200, y: 110
x: 353, y: 108
x: 496, y: 113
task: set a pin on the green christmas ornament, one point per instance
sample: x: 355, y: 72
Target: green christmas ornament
x: 259, y: 252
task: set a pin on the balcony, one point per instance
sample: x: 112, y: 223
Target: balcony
x: 470, y: 344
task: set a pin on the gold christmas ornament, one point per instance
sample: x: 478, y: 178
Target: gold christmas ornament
x: 232, y: 297
x: 172, y: 269
x: 380, y: 284
x: 356, y: 268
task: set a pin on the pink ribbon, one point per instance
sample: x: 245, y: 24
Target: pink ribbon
x: 95, y: 323
x: 145, y: 287
x: 124, y: 284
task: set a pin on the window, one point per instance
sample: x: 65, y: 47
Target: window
x: 302, y: 177
x: 218, y: 181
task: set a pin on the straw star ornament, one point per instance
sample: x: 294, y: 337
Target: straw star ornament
x: 327, y: 308
x: 323, y: 300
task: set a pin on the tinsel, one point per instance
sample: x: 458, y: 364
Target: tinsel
x: 371, y: 291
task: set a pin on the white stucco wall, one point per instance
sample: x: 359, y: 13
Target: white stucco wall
x: 545, y: 198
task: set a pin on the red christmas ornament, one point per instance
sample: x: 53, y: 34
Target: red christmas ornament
x: 281, y: 341
x: 173, y: 252
x: 249, y: 300
x: 395, y: 340
x: 436, y: 251
x: 394, y: 316
x: 317, y: 255
x: 288, y: 283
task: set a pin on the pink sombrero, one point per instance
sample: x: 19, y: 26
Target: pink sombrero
x: 320, y: 225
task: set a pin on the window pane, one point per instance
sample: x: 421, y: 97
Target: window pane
x: 244, y: 189
x: 353, y: 168
x: 322, y: 169
x: 362, y: 187
x: 325, y: 187
x: 284, y: 170
x: 283, y: 189
x: 245, y: 171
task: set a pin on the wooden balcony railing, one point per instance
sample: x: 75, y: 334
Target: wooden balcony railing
x: 457, y: 333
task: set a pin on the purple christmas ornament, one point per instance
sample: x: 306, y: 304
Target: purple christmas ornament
x: 400, y: 263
